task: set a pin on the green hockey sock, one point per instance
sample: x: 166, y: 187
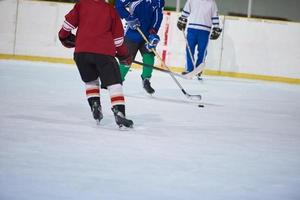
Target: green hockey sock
x: 147, y: 71
x: 123, y: 70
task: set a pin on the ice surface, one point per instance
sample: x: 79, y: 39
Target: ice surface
x: 243, y: 145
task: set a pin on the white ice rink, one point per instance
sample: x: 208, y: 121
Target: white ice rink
x: 243, y: 145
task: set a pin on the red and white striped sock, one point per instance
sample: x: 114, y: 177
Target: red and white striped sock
x: 92, y: 91
x: 116, y: 94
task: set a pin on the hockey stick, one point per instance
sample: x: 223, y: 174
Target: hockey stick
x: 188, y: 76
x: 189, y: 49
x: 159, y: 69
x: 185, y: 76
x: 197, y: 69
x: 198, y: 97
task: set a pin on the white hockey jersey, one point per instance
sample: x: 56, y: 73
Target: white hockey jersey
x: 201, y: 14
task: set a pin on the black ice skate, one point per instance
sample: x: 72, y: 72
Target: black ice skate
x: 121, y: 119
x: 199, y: 76
x: 147, y: 86
x: 96, y: 110
x: 184, y: 72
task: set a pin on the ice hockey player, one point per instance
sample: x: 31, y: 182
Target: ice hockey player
x: 147, y: 15
x: 99, y: 38
x: 202, y: 17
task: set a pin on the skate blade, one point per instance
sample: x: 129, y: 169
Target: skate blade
x: 199, y: 78
x: 98, y: 121
x: 150, y: 94
x: 124, y: 128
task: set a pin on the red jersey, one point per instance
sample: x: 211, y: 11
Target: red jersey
x: 99, y: 27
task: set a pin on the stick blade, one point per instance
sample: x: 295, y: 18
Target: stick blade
x: 194, y: 97
x: 196, y: 71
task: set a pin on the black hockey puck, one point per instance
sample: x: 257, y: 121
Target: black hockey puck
x: 201, y: 105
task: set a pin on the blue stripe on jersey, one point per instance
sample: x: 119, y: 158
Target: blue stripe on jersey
x: 185, y: 12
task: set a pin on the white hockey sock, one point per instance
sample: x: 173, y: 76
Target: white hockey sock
x: 92, y: 89
x: 116, y: 94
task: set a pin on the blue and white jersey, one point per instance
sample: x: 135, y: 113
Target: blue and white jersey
x: 201, y: 14
x: 149, y: 13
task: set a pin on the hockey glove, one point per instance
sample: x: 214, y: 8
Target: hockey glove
x: 181, y: 23
x: 153, y: 41
x: 68, y: 42
x: 133, y: 22
x: 123, y: 55
x: 215, y: 33
x: 125, y: 60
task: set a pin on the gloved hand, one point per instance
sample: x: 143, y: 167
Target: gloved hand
x: 68, y: 42
x: 125, y: 60
x: 215, y: 33
x: 181, y: 23
x: 153, y: 41
x: 133, y: 22
x: 123, y: 55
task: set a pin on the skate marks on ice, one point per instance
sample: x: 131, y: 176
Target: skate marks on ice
x: 41, y: 119
x: 154, y: 97
x: 106, y: 123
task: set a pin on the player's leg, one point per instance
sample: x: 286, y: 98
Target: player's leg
x: 132, y: 48
x: 110, y: 78
x: 148, y: 58
x: 192, y: 41
x: 202, y: 42
x: 203, y: 39
x: 89, y: 76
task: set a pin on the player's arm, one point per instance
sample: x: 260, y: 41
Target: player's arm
x: 182, y: 20
x: 71, y: 22
x: 156, y: 22
x: 158, y: 16
x: 186, y: 9
x: 216, y: 30
x: 121, y: 6
x: 122, y: 52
